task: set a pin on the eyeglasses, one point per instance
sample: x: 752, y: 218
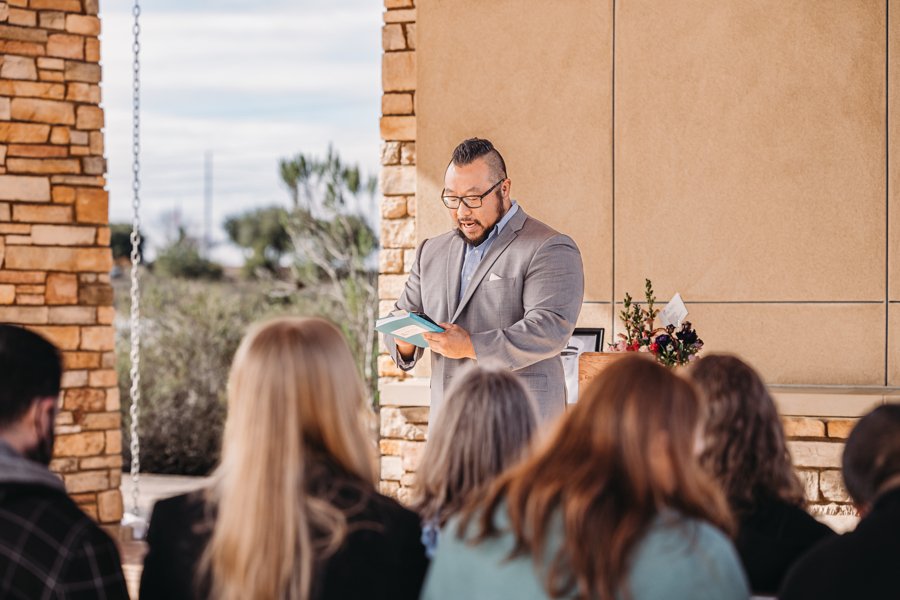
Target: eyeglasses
x: 469, y: 201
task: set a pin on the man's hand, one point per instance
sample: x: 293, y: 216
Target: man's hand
x: 454, y: 342
x: 405, y: 349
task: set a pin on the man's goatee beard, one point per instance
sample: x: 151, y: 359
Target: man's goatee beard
x: 480, y: 239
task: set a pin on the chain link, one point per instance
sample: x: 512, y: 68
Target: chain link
x: 135, y: 261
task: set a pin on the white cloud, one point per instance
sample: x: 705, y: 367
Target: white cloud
x: 251, y: 85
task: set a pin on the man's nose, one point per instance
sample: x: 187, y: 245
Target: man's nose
x: 463, y: 211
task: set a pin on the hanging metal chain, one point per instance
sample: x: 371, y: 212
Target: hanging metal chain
x: 135, y: 261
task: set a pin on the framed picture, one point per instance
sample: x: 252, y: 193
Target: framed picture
x: 592, y: 338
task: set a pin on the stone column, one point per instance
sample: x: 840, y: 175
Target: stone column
x: 817, y: 445
x: 402, y: 428
x: 54, y: 235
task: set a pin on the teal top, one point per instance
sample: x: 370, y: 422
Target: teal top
x: 678, y: 558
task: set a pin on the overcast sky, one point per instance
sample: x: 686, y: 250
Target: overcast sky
x: 250, y: 81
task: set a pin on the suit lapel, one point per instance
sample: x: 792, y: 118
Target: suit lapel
x: 455, y: 257
x: 506, y: 237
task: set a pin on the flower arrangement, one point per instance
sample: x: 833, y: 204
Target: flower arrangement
x: 641, y: 335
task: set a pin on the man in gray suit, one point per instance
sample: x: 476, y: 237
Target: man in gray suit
x: 506, y: 288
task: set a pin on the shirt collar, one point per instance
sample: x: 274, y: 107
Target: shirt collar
x: 509, y: 215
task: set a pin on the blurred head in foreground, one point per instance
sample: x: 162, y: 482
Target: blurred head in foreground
x: 484, y: 426
x: 30, y: 375
x: 624, y: 454
x: 294, y: 401
x: 744, y: 445
x: 871, y: 463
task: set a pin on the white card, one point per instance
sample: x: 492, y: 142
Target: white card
x: 409, y: 331
x: 674, y: 312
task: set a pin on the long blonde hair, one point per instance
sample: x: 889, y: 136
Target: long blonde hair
x: 293, y: 396
x: 596, y: 472
x: 486, y: 424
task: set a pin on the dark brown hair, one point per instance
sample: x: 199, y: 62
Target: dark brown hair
x: 872, y: 454
x: 30, y: 368
x: 745, y: 447
x: 475, y: 148
x: 595, y: 472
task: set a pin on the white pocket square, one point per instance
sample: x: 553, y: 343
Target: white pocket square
x: 494, y: 277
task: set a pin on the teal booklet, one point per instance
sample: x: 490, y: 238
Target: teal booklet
x: 408, y: 326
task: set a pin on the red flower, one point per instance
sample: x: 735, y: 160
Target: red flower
x: 634, y: 347
x: 654, y: 347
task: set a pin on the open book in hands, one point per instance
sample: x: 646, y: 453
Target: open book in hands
x: 408, y: 326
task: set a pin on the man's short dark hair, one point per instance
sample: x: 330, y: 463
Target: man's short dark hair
x: 30, y: 368
x: 872, y: 453
x: 475, y: 148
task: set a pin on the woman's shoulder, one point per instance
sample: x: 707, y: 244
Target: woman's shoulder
x: 183, y: 507
x: 177, y: 518
x: 777, y: 518
x: 684, y: 557
x: 382, y: 555
x: 391, y: 509
x: 368, y: 512
x: 176, y: 538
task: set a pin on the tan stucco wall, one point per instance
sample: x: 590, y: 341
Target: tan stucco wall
x: 894, y: 191
x: 538, y: 83
x: 736, y: 153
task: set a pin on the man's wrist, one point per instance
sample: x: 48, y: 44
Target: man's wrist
x: 406, y: 353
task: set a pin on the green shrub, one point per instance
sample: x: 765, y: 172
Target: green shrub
x: 120, y: 241
x: 182, y: 259
x: 190, y: 331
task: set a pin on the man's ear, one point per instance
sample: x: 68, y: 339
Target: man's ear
x: 43, y: 411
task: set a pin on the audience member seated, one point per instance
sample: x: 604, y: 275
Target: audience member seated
x: 484, y: 427
x: 48, y: 547
x: 613, y: 504
x: 862, y: 563
x: 744, y: 449
x: 292, y: 511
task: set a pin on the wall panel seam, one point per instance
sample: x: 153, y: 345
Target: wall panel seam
x: 612, y: 324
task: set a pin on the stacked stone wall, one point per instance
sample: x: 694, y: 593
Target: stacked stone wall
x: 400, y: 446
x: 817, y: 445
x: 54, y: 236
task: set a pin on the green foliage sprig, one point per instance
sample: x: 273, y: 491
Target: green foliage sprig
x: 641, y: 334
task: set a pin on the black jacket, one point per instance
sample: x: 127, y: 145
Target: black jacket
x: 861, y: 564
x: 771, y: 538
x: 381, y: 557
x: 48, y: 547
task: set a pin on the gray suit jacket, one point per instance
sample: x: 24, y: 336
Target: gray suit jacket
x: 520, y: 307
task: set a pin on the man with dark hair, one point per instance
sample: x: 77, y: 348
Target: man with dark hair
x: 506, y: 288
x: 864, y: 562
x: 48, y: 547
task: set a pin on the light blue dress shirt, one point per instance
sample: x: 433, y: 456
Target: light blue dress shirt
x: 474, y: 254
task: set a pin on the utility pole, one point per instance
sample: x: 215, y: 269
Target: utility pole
x: 207, y: 203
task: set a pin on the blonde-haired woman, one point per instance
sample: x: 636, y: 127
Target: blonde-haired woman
x: 612, y: 505
x: 292, y: 512
x: 485, y: 426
